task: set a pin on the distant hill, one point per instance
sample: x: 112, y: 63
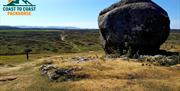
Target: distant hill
x: 8, y: 28
x: 175, y: 30
x: 51, y: 28
x: 38, y: 28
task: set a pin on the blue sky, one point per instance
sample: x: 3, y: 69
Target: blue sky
x: 77, y: 13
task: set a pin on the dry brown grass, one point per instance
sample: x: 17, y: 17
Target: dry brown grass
x: 99, y: 75
x: 122, y: 75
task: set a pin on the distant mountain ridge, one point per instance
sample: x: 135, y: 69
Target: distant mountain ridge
x: 51, y: 28
x: 37, y: 28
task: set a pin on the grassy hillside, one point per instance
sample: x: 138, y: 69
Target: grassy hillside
x: 15, y: 42
x: 96, y: 73
x: 173, y: 42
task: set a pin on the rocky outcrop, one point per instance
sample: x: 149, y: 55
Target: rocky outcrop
x: 161, y: 60
x: 54, y: 73
x: 131, y: 26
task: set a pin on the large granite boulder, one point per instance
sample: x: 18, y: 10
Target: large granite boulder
x: 131, y: 26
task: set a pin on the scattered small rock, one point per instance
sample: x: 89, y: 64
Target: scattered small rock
x: 7, y: 78
x: 45, y: 68
x: 177, y: 67
x: 142, y: 64
x: 83, y: 59
x: 162, y: 60
x: 54, y: 73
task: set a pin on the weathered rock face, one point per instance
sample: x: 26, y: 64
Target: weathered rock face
x: 134, y: 26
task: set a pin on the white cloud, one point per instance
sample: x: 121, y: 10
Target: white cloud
x: 175, y: 24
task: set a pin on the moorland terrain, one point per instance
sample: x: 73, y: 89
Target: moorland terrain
x: 82, y: 51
